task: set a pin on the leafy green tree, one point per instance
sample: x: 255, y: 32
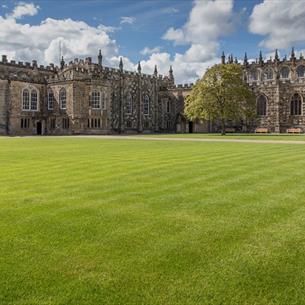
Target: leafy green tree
x: 221, y: 95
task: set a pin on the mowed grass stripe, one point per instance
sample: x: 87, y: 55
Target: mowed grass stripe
x: 135, y: 222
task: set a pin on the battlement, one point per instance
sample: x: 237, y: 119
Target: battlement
x: 27, y: 65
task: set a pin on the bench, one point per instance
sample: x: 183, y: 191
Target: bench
x: 230, y: 129
x: 294, y: 130
x: 261, y: 130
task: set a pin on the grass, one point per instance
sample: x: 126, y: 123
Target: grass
x: 123, y: 222
x: 241, y: 136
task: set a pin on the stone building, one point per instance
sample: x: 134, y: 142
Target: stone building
x: 83, y: 97
x: 279, y: 86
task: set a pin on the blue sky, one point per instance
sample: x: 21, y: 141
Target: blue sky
x: 188, y: 34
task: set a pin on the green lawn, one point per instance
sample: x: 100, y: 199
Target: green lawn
x: 241, y: 136
x: 130, y: 222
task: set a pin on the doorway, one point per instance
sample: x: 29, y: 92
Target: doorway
x: 39, y: 128
x: 190, y: 127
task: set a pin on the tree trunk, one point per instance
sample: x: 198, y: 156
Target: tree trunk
x: 223, y: 127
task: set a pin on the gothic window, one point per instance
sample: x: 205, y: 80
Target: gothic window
x: 253, y: 75
x: 34, y: 98
x: 146, y: 105
x: 301, y: 71
x: 296, y: 105
x: 129, y: 104
x: 285, y: 72
x: 65, y: 123
x: 261, y: 105
x: 63, y: 98
x: 95, y: 100
x: 128, y: 124
x: 50, y: 100
x: 268, y: 74
x: 26, y: 99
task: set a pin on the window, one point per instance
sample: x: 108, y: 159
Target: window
x: 167, y: 106
x: 94, y: 123
x: 25, y: 123
x: 146, y: 105
x: 253, y: 75
x: 168, y: 124
x: 26, y: 99
x: 268, y: 74
x: 53, y: 123
x: 95, y: 100
x: 300, y: 71
x: 261, y: 105
x: 128, y: 124
x: 63, y: 98
x: 285, y: 72
x: 129, y: 104
x: 50, y: 100
x: 30, y: 99
x: 34, y: 99
x: 296, y: 105
x: 65, y: 123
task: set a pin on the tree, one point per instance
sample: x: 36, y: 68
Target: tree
x: 221, y: 95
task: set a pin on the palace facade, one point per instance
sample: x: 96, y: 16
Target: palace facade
x: 83, y: 97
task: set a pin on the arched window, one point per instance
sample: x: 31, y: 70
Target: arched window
x: 34, y: 99
x: 146, y: 105
x: 50, y: 100
x: 261, y: 105
x: 296, y: 104
x: 95, y: 100
x: 129, y: 104
x: 285, y: 72
x: 25, y: 99
x: 268, y: 74
x: 63, y: 98
x: 301, y: 71
x: 253, y: 75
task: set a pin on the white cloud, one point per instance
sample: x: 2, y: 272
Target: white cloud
x: 149, y: 51
x: 24, y: 9
x: 127, y: 20
x: 41, y: 42
x: 281, y: 22
x: 208, y: 21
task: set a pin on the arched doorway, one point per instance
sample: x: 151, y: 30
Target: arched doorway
x: 39, y: 128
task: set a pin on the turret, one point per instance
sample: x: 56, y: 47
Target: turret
x: 276, y: 56
x: 100, y: 58
x: 260, y: 59
x: 223, y: 58
x: 62, y: 63
x: 235, y: 60
x: 292, y: 56
x: 156, y: 71
x: 121, y: 64
x: 171, y: 75
x: 139, y: 68
x: 246, y: 60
